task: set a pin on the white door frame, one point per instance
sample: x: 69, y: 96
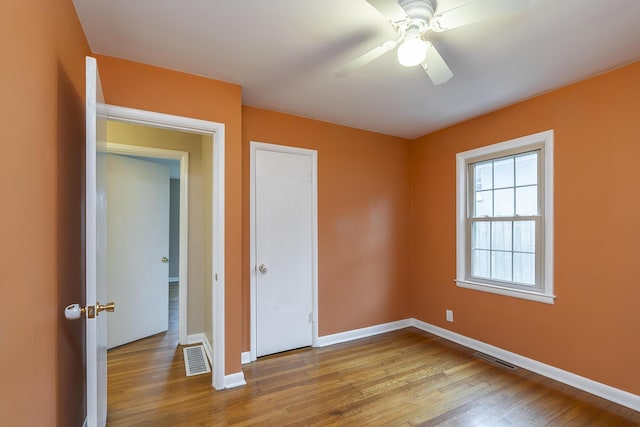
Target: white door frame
x: 217, y: 132
x: 183, y: 244
x: 313, y: 154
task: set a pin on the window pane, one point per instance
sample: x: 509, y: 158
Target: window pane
x: 524, y: 268
x: 503, y: 204
x: 503, y: 173
x: 481, y: 235
x: 480, y: 264
x: 527, y: 200
x: 524, y: 236
x: 501, y: 265
x: 527, y: 169
x: 484, y: 204
x: 501, y: 235
x: 484, y: 176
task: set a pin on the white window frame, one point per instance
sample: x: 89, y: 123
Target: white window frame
x: 544, y: 142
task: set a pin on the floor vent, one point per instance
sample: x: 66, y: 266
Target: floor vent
x: 195, y: 360
x: 495, y: 361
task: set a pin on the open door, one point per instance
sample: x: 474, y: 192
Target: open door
x: 138, y: 235
x: 96, y: 254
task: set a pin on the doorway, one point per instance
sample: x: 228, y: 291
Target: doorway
x: 283, y: 239
x: 141, y: 291
x: 213, y: 217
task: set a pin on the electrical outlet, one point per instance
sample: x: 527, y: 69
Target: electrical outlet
x: 449, y: 315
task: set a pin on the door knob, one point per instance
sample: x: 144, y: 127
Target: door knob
x: 262, y: 268
x: 164, y: 259
x: 108, y: 307
x: 74, y: 311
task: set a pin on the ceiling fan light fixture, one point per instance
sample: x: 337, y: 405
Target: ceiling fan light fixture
x: 412, y: 51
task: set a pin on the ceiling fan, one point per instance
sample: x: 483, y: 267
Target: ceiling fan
x: 413, y: 19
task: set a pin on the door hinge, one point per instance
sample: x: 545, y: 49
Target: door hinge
x: 310, y: 317
x: 311, y: 178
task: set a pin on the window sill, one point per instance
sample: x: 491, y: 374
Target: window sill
x: 532, y: 296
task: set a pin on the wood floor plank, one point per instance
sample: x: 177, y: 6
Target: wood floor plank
x: 403, y: 378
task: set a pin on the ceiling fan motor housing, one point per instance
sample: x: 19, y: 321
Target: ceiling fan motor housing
x: 421, y: 10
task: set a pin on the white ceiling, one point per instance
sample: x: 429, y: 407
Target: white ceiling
x: 284, y: 52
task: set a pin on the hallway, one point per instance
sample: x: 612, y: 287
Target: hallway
x: 145, y: 370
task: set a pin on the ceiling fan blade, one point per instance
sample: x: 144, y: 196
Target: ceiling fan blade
x: 474, y: 11
x: 364, y: 59
x: 435, y: 67
x: 390, y: 9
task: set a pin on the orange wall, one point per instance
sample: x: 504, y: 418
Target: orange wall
x: 135, y: 85
x: 363, y: 203
x: 42, y: 137
x: 592, y: 329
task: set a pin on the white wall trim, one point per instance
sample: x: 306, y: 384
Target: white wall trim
x: 218, y: 256
x: 362, y: 332
x: 245, y: 357
x: 160, y: 120
x: 207, y: 348
x: 84, y: 424
x: 618, y: 396
x: 217, y: 132
x: 313, y: 154
x: 183, y: 244
x: 499, y: 290
x: 234, y: 380
x: 194, y: 339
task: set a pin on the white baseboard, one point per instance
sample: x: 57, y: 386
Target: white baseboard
x: 195, y: 338
x: 174, y: 279
x: 362, y: 333
x: 208, y: 349
x: 245, y: 357
x: 234, y: 380
x: 599, y: 389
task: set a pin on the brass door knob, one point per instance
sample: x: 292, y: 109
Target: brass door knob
x: 165, y: 259
x: 110, y: 307
x: 74, y: 311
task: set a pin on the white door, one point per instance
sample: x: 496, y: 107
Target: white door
x: 284, y: 254
x: 138, y: 236
x: 95, y: 250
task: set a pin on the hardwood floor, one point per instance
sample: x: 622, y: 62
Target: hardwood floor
x: 402, y: 378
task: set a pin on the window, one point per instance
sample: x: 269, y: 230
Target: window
x: 505, y: 218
